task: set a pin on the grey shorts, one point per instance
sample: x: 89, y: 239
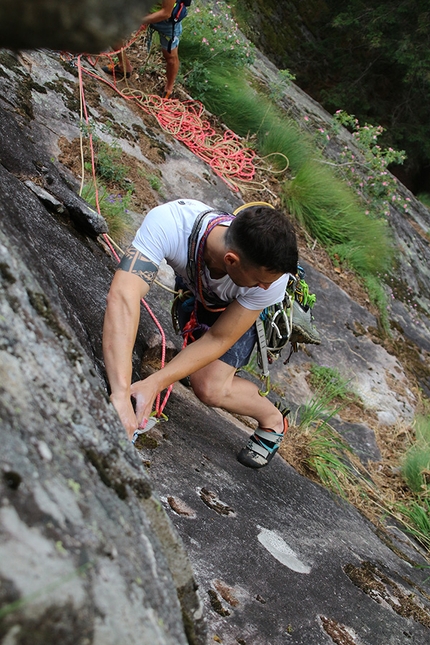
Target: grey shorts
x: 240, y: 353
x: 165, y: 30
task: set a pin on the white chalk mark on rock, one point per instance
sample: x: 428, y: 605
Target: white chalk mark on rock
x: 281, y: 551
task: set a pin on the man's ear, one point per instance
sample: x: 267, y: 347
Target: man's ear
x: 231, y: 258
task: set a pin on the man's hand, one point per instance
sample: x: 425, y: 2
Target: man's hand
x: 144, y: 393
x: 126, y: 414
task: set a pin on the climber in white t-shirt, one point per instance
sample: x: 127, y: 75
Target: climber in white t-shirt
x: 231, y: 268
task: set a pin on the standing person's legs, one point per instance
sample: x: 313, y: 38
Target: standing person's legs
x: 172, y: 68
x: 169, y: 41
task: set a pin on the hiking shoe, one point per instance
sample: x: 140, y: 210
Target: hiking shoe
x: 262, y: 446
x: 115, y: 69
x: 303, y: 329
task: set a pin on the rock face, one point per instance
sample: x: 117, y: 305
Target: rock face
x: 278, y: 559
x: 87, y: 554
x: 175, y: 543
x: 80, y: 559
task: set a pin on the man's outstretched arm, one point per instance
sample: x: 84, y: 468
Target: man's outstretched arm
x: 229, y: 327
x: 131, y: 283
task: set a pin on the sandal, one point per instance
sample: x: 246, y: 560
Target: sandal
x: 262, y: 445
x: 115, y: 70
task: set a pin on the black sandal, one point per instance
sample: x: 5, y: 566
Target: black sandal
x: 262, y: 445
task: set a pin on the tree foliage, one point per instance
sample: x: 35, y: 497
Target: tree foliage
x: 370, y: 58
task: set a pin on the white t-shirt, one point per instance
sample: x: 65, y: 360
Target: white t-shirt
x: 164, y: 234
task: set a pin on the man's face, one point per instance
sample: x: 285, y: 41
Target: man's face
x: 251, y: 276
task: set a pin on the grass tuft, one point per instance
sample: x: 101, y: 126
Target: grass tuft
x: 415, y: 518
x: 416, y: 463
x: 329, y: 210
x: 327, y: 458
x: 114, y: 208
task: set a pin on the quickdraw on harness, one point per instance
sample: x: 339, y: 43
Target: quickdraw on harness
x: 195, y: 274
x: 179, y: 12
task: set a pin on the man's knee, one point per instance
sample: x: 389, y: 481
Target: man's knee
x: 172, y: 56
x: 207, y: 390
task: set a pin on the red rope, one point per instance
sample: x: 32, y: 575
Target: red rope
x: 184, y: 120
x: 159, y: 408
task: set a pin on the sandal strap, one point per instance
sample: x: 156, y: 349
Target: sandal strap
x: 274, y: 437
x: 258, y: 448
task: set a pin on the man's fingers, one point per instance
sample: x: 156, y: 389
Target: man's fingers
x: 141, y: 410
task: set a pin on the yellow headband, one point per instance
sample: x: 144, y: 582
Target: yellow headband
x: 249, y: 204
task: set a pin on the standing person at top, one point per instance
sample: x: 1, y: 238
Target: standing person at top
x: 234, y: 267
x: 170, y: 34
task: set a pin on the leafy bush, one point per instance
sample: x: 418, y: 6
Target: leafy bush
x: 213, y: 42
x: 424, y: 199
x: 108, y: 164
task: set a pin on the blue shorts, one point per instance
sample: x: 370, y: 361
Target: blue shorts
x: 240, y: 353
x: 165, y: 30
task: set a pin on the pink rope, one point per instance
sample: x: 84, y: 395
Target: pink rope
x: 158, y: 408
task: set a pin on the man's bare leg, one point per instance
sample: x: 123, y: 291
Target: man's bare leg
x: 217, y: 386
x: 172, y: 68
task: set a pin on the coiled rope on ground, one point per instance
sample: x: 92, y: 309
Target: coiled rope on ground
x: 227, y: 155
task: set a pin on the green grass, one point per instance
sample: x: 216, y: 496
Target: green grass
x: 215, y: 72
x: 327, y: 457
x: 415, y: 517
x: 329, y: 380
x: 329, y: 386
x: 113, y: 207
x: 108, y: 164
x: 329, y: 210
x: 379, y: 298
x: 320, y: 406
x: 424, y: 199
x: 155, y: 182
x: 416, y: 463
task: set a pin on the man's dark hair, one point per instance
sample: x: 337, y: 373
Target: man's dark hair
x: 264, y: 237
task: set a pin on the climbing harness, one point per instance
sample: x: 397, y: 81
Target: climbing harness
x: 196, y: 274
